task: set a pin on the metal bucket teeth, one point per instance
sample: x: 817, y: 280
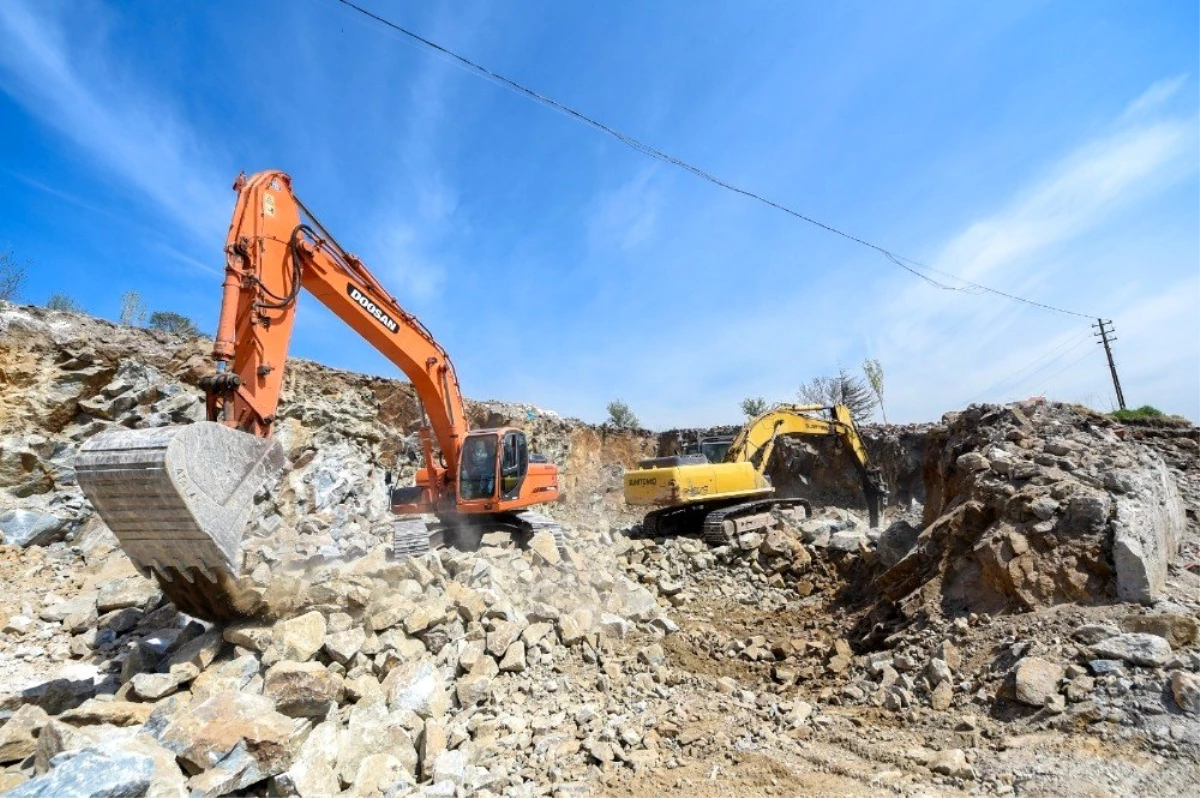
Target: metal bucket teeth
x: 178, y: 499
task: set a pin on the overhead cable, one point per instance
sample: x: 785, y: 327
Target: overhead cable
x: 914, y: 267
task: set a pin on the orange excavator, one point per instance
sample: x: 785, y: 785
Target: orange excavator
x: 179, y: 498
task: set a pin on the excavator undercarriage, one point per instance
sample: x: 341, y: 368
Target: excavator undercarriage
x: 413, y: 537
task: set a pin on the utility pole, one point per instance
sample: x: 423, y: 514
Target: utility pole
x: 1103, y: 335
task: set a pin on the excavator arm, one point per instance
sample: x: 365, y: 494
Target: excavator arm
x: 274, y: 248
x: 179, y: 498
x: 755, y: 442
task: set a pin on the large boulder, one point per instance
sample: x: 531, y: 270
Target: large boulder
x: 30, y: 528
x: 240, y: 733
x: 1147, y: 529
x: 302, y: 689
x: 19, y: 735
x: 417, y: 686
x: 1036, y: 681
x: 96, y: 772
x: 1135, y: 648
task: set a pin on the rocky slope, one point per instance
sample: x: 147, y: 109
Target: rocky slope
x: 1007, y: 637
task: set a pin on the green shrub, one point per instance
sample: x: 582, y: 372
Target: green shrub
x: 1145, y: 411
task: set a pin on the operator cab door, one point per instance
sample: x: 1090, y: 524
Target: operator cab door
x: 478, y: 467
x: 514, y: 464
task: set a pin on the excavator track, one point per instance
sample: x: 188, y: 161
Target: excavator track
x: 672, y: 521
x: 722, y: 526
x: 412, y: 537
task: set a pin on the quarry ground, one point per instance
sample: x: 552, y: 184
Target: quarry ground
x: 980, y: 645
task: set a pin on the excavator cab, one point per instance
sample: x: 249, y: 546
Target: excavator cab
x: 493, y: 465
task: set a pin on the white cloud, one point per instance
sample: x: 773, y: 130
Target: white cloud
x: 1046, y: 243
x: 627, y: 216
x: 1052, y: 241
x: 1154, y: 97
x: 68, y: 80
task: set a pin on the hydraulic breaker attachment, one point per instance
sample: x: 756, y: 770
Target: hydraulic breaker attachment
x: 178, y: 499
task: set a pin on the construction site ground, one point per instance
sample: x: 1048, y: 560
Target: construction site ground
x: 982, y: 641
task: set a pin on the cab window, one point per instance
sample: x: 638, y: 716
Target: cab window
x: 477, y: 471
x: 514, y: 464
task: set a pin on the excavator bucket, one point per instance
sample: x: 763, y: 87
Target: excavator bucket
x: 178, y: 499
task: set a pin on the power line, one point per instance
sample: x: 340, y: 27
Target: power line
x: 909, y: 265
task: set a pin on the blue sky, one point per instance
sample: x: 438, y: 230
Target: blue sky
x: 1045, y: 148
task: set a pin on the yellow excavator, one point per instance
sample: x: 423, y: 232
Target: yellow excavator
x: 728, y: 498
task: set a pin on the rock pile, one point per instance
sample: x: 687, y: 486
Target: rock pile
x: 391, y: 675
x: 1037, y: 505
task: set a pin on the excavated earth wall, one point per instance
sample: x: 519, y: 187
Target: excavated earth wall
x: 1040, y: 504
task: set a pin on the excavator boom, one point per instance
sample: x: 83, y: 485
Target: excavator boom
x: 178, y: 498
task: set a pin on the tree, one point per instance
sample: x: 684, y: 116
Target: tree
x: 12, y: 276
x: 873, y: 369
x: 754, y: 406
x: 173, y: 323
x: 619, y: 415
x: 841, y: 389
x: 59, y: 301
x: 133, y: 310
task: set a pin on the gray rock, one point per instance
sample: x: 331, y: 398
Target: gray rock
x: 91, y: 773
x: 380, y: 774
x: 252, y: 635
x: 632, y: 601
x: 313, y: 774
x: 133, y: 591
x: 19, y: 734
x: 450, y: 766
x: 1135, y: 648
x: 1044, y: 507
x: 1103, y: 666
x: 236, y: 675
x: 300, y: 638
x: 951, y: 763
x: 57, y: 737
x: 26, y: 528
x: 417, y: 686
x: 971, y: 462
x: 302, y: 689
x: 503, y: 634
x: 373, y: 730
x: 342, y: 646
x: 1092, y: 633
x: 84, y: 604
x: 1179, y: 629
x: 1036, y: 680
x: 153, y: 686
x: 1185, y: 688
x: 209, y: 733
x: 514, y: 659
x: 198, y: 652
x: 1148, y: 526
x: 937, y: 671
x: 896, y: 542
